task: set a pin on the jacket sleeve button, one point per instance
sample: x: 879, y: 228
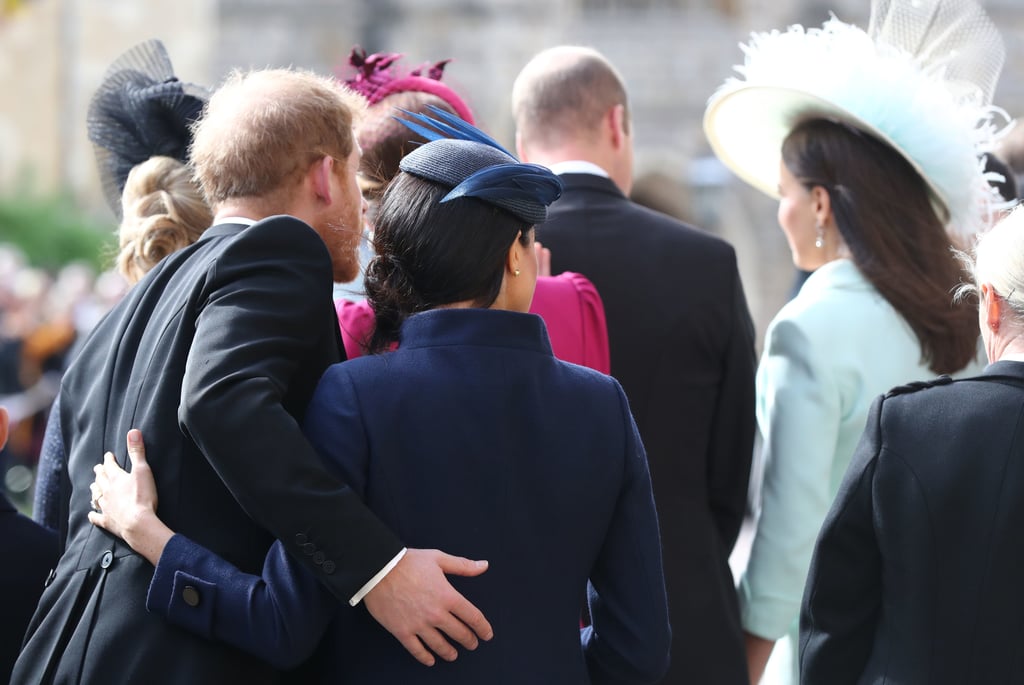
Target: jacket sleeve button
x: 328, y: 567
x: 190, y: 595
x: 319, y: 557
x: 107, y: 559
x: 308, y: 549
x: 301, y: 539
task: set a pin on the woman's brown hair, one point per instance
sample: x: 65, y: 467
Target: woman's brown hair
x: 884, y: 214
x: 385, y: 141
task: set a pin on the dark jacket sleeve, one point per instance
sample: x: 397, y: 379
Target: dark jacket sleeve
x: 53, y: 486
x: 262, y: 314
x: 629, y: 637
x: 732, y: 435
x: 278, y: 616
x: 843, y: 592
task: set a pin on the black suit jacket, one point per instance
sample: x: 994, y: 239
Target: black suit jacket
x: 29, y: 552
x: 214, y: 355
x: 916, y: 576
x: 682, y: 346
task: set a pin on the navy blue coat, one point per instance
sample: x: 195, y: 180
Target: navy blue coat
x: 471, y: 438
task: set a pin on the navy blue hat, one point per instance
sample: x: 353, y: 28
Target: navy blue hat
x: 462, y: 157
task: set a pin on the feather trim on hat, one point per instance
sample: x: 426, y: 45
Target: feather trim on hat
x: 471, y: 163
x: 940, y: 125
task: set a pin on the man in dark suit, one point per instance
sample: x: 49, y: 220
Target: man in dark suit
x: 30, y: 551
x: 680, y: 335
x: 215, y: 354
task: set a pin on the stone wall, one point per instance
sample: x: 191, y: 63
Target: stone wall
x: 672, y: 53
x: 53, y: 54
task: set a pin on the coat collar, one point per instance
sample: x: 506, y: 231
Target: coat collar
x: 219, y: 230
x: 839, y: 273
x: 591, y: 182
x: 476, y: 328
x: 1009, y: 369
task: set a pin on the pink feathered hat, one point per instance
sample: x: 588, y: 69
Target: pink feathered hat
x: 375, y: 78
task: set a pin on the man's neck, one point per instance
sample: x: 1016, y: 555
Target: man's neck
x: 570, y: 157
x: 228, y: 211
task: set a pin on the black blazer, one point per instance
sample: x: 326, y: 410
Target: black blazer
x: 214, y: 355
x: 916, y: 576
x: 29, y: 552
x: 682, y: 346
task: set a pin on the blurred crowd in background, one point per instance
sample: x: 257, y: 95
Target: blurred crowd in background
x: 42, y: 314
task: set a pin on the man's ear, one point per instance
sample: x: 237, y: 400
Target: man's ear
x: 991, y: 307
x: 618, y: 125
x: 320, y: 176
x: 4, y: 426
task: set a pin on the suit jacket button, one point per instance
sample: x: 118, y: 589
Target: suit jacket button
x: 190, y: 595
x: 319, y: 557
x: 107, y: 559
x: 328, y: 567
x: 301, y: 539
x: 308, y: 549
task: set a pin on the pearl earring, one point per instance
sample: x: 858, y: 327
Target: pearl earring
x: 819, y: 240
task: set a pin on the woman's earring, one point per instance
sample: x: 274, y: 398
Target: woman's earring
x: 517, y: 273
x: 819, y: 241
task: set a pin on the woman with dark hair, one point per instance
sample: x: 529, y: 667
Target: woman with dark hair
x: 873, y: 210
x: 569, y: 303
x: 471, y: 436
x: 841, y: 125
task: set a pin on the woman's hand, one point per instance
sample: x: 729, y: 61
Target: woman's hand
x: 758, y: 651
x: 124, y: 503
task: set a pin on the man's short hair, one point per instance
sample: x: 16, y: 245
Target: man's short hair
x: 563, y: 93
x: 263, y: 128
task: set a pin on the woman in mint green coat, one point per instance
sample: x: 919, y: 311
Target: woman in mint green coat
x: 872, y: 205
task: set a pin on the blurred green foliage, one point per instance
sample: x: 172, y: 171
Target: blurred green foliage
x: 53, y: 231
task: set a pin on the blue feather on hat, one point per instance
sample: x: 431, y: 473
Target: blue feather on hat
x: 464, y: 158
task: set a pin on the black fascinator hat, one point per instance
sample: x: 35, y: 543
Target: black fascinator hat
x: 140, y: 110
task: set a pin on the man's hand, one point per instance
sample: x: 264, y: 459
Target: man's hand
x: 417, y: 604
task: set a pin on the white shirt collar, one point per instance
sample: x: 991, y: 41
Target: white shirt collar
x: 236, y: 220
x: 577, y: 166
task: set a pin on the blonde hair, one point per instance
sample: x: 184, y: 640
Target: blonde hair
x: 261, y: 129
x: 164, y: 211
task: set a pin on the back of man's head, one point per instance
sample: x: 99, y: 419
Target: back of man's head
x: 562, y: 95
x: 263, y: 129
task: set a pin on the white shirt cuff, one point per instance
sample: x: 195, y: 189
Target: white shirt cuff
x: 372, y: 582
